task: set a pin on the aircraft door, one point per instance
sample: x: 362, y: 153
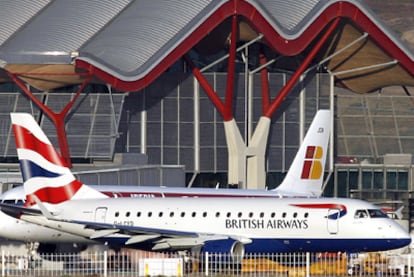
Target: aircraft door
x: 333, y: 221
x: 100, y: 214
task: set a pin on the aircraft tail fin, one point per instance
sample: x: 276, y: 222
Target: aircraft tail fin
x: 305, y: 175
x: 45, y: 174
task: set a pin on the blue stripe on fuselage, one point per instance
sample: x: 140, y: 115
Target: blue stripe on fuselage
x: 323, y: 245
x: 260, y: 246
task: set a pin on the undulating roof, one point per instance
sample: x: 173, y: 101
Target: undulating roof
x: 128, y: 44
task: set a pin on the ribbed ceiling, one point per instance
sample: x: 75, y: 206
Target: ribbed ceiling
x: 128, y: 44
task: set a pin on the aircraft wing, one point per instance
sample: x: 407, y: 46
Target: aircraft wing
x: 17, y: 210
x: 161, y: 239
x: 130, y: 230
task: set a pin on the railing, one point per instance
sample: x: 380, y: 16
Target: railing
x: 138, y: 263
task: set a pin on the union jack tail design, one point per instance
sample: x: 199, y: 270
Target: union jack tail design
x: 44, y: 172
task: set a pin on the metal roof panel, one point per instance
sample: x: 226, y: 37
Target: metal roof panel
x: 143, y: 34
x: 288, y: 16
x: 130, y: 43
x: 14, y: 14
x: 58, y: 30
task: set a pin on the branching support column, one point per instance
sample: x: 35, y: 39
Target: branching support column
x: 58, y: 119
x: 247, y: 163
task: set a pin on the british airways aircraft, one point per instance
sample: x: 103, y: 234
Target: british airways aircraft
x: 299, y: 181
x: 226, y: 225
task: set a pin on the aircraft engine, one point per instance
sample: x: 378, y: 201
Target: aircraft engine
x: 223, y: 255
x: 228, y: 250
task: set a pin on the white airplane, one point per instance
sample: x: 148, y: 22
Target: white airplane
x: 310, y: 158
x: 230, y: 225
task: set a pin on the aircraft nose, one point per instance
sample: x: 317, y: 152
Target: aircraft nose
x: 407, y: 238
x: 399, y: 243
x: 402, y: 237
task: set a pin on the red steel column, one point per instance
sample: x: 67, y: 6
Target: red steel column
x: 224, y: 108
x: 58, y: 119
x: 265, y: 84
x: 286, y: 89
x: 228, y: 107
x: 206, y: 86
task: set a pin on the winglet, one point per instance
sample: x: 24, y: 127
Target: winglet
x: 305, y: 175
x: 44, y: 172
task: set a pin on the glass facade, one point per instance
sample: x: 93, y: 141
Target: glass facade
x: 184, y: 120
x: 174, y: 122
x: 372, y: 125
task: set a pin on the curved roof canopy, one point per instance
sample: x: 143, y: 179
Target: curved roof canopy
x: 128, y: 44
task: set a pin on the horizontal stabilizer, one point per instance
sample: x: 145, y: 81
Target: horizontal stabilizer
x: 15, y: 211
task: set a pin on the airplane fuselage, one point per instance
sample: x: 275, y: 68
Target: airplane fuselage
x: 15, y: 229
x: 263, y: 225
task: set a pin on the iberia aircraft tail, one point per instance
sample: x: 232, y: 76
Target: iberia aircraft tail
x: 305, y: 175
x: 45, y: 175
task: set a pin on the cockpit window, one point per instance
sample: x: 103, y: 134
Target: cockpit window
x: 361, y: 214
x: 377, y: 213
x: 372, y: 213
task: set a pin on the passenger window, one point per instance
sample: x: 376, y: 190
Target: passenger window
x: 228, y: 214
x: 217, y: 214
x: 204, y: 214
x: 116, y: 214
x: 295, y: 215
x: 149, y: 214
x: 283, y: 215
x: 127, y: 214
x: 171, y: 214
x: 361, y: 214
x: 262, y: 214
x: 250, y: 214
x: 193, y: 214
x: 239, y: 214
x: 182, y: 214
x: 160, y: 214
x: 306, y: 215
x: 272, y: 215
x: 138, y: 214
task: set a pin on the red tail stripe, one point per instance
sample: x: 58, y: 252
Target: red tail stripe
x: 321, y: 206
x: 307, y: 165
x: 54, y: 195
x: 310, y: 152
x: 26, y: 140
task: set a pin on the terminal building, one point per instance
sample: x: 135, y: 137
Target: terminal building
x: 144, y: 94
